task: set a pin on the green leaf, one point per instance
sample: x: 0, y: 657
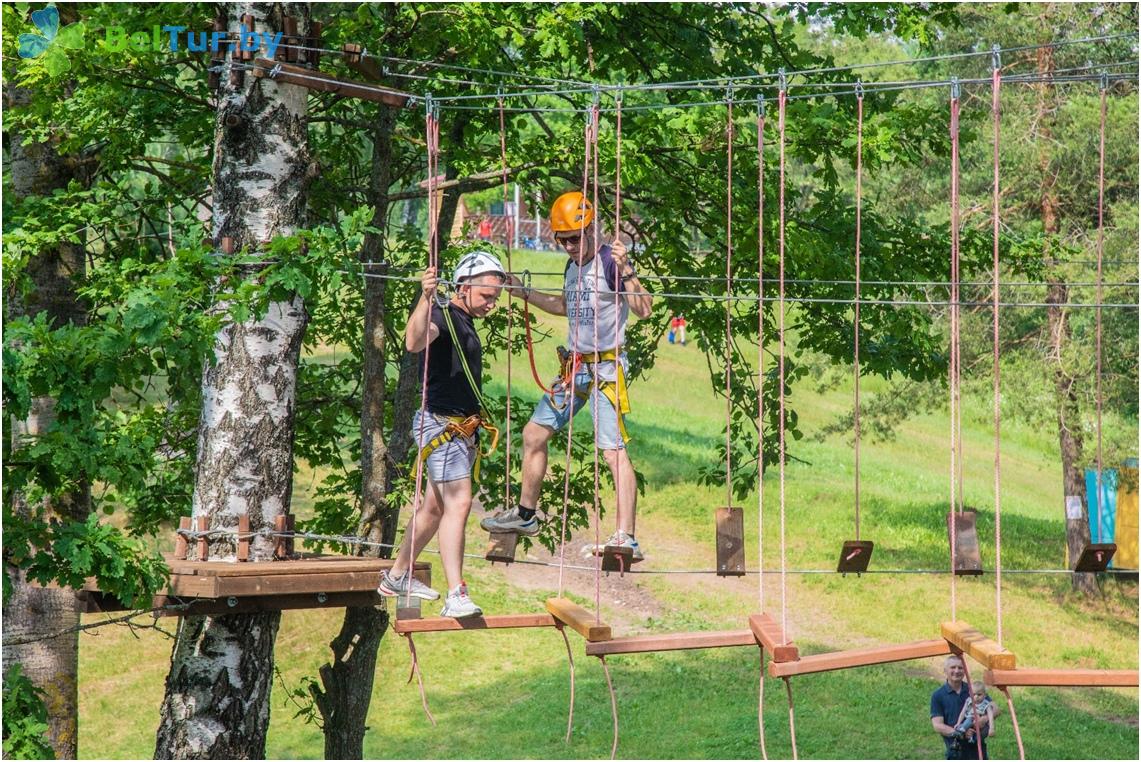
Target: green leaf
x: 72, y: 36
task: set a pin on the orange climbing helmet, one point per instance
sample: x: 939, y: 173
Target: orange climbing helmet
x: 571, y: 211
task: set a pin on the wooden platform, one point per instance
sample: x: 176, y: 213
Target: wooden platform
x: 493, y: 622
x: 767, y: 634
x: 1063, y: 678
x: 313, y: 581
x: 862, y: 657
x: 682, y: 641
x: 979, y: 647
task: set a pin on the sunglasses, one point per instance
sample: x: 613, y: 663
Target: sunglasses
x: 569, y: 239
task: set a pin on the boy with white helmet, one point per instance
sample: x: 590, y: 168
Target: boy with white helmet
x: 600, y: 289
x: 445, y: 429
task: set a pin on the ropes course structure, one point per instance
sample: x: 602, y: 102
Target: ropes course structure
x: 771, y: 633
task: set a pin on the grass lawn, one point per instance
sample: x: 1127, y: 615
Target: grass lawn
x: 504, y: 694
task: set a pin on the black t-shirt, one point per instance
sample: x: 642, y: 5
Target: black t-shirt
x: 449, y: 392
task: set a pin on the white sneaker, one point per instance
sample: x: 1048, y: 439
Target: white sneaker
x: 509, y: 520
x: 394, y: 587
x: 617, y: 540
x: 458, y: 605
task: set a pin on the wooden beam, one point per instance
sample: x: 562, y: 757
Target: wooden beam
x: 767, y: 634
x: 494, y: 622
x: 678, y: 641
x: 862, y: 657
x: 979, y: 647
x: 249, y: 604
x: 1063, y: 678
x: 730, y: 542
x: 327, y: 83
x: 578, y: 619
x: 355, y: 60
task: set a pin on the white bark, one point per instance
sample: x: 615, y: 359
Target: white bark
x: 217, y: 693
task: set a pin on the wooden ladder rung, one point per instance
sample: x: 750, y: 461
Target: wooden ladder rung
x: 767, y: 633
x: 679, y: 641
x: 1063, y: 678
x: 862, y: 657
x: 493, y: 622
x: 578, y: 619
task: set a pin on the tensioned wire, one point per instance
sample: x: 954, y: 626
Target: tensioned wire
x: 805, y: 299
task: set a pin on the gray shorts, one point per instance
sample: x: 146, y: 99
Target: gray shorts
x: 452, y: 460
x: 555, y: 413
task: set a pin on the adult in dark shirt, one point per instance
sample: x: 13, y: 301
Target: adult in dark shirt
x: 446, y: 440
x: 947, y: 707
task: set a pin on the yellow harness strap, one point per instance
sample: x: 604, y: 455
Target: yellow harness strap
x: 466, y: 427
x: 615, y: 391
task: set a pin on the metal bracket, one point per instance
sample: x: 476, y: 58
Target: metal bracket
x: 761, y: 104
x: 1104, y: 80
x: 956, y: 90
x: 782, y: 79
x: 859, y: 88
x: 996, y: 56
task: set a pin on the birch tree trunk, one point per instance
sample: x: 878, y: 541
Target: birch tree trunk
x: 52, y: 664
x: 216, y: 703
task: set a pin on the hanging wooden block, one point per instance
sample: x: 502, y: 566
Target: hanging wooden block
x: 1095, y: 557
x: 617, y: 558
x: 730, y: 542
x: 279, y: 551
x: 244, y: 537
x: 407, y: 607
x: 501, y: 547
x: 854, y: 556
x: 967, y: 560
x: 203, y: 547
x: 181, y: 544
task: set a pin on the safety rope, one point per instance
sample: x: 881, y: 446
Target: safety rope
x: 728, y: 302
x: 419, y: 678
x: 761, y: 704
x: 791, y: 716
x: 619, y: 297
x: 953, y: 360
x: 510, y: 313
x: 967, y: 677
x: 613, y: 706
x: 856, y: 324
x: 780, y: 377
x: 1100, y: 252
x: 996, y: 197
x: 432, y: 135
x: 596, y: 264
x: 570, y: 660
x: 760, y: 355
x: 1014, y: 721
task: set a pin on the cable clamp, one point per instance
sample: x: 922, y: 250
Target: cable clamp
x: 859, y: 88
x: 761, y: 104
x: 1104, y: 80
x: 956, y: 90
x: 275, y: 71
x: 782, y: 79
x: 996, y: 56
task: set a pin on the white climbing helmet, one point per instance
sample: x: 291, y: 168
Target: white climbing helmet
x: 477, y: 263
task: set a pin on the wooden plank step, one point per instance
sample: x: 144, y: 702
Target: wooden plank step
x: 578, y: 619
x: 767, y: 633
x: 976, y: 645
x: 493, y: 622
x: 678, y: 641
x: 861, y: 657
x: 1063, y: 678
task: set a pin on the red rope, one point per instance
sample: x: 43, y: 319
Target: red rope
x: 728, y: 311
x: 761, y: 705
x: 419, y: 678
x: 967, y: 677
x: 953, y: 360
x: 613, y: 706
x: 620, y: 288
x: 1014, y: 721
x: 791, y: 717
x: 1100, y: 250
x: 570, y: 660
x: 760, y: 359
x: 510, y: 312
x: 531, y: 349
x: 856, y: 327
x: 780, y: 384
x: 996, y: 80
x: 432, y: 136
x: 594, y: 378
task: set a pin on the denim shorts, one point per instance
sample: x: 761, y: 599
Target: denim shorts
x: 452, y: 460
x: 555, y: 413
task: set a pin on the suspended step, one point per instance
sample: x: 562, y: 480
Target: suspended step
x: 966, y: 545
x: 863, y: 657
x: 578, y: 619
x: 492, y: 622
x: 730, y: 542
x: 618, y: 558
x: 501, y: 547
x: 966, y: 639
x: 1095, y: 557
x: 677, y: 641
x: 1063, y: 678
x: 767, y: 634
x: 854, y: 556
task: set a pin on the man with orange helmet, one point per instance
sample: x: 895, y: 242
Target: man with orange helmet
x: 600, y: 289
